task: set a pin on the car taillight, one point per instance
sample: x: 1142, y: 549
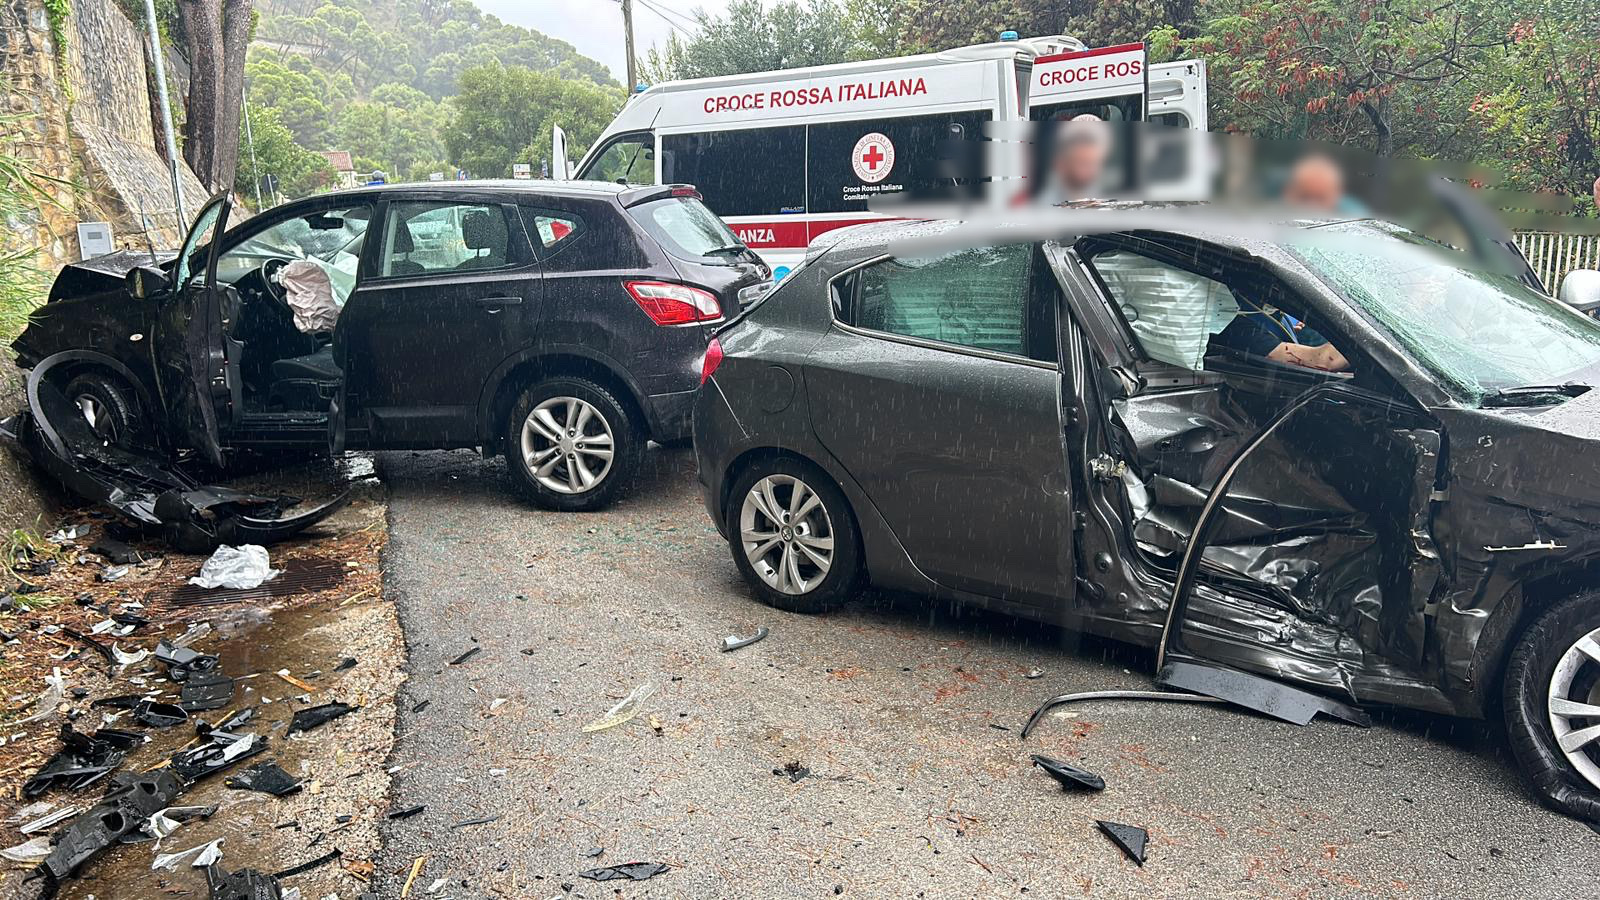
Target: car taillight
x: 712, y: 360
x: 674, y: 304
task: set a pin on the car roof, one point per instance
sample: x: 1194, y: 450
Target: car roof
x: 1253, y: 234
x: 539, y: 187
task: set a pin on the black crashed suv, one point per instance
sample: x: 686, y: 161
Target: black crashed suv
x: 562, y: 323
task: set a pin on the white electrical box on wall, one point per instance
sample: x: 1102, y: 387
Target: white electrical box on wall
x: 94, y: 239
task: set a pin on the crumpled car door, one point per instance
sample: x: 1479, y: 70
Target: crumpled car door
x: 1327, y: 577
x: 195, y: 369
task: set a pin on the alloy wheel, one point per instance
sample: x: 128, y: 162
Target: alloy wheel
x: 786, y: 534
x: 1574, y: 705
x: 98, y: 416
x: 567, y: 444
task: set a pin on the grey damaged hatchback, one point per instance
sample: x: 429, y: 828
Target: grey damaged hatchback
x: 1060, y: 426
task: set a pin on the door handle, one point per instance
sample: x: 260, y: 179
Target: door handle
x: 495, y: 304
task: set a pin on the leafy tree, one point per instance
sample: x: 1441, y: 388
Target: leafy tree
x: 749, y: 37
x: 1539, y: 108
x: 304, y: 95
x: 275, y: 152
x: 1333, y: 70
x: 397, y: 127
x: 503, y: 114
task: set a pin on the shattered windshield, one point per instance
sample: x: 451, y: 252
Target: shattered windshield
x: 1479, y: 332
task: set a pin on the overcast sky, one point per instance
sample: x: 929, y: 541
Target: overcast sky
x: 595, y: 26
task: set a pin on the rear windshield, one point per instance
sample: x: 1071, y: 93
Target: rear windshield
x: 688, y: 230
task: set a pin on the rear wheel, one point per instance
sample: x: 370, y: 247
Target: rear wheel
x: 793, y: 537
x: 110, y: 406
x: 1552, y: 705
x: 571, y: 445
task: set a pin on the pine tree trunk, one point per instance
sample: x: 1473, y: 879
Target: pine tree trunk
x: 217, y: 33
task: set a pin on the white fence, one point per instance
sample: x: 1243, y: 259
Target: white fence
x: 1553, y: 255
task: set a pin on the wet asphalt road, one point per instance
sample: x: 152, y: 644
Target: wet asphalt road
x: 891, y: 705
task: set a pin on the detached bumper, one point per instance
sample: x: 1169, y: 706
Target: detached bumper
x: 193, y: 517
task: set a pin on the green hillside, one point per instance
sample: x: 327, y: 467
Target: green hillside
x: 409, y: 87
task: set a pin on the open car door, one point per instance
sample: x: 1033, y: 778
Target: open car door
x: 199, y: 379
x: 1312, y: 558
x: 560, y: 166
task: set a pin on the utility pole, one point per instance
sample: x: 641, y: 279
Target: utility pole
x: 627, y: 32
x: 166, y: 113
x: 250, y: 139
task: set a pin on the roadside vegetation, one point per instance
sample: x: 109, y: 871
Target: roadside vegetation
x: 22, y: 192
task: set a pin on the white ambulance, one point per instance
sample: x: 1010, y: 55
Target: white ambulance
x: 785, y: 156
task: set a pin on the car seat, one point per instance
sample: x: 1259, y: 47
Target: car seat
x: 482, y: 230
x: 404, y: 245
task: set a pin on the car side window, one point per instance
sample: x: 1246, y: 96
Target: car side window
x: 630, y: 159
x: 977, y: 297
x: 1171, y: 311
x: 429, y: 238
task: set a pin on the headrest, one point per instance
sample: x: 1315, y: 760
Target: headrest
x: 482, y: 230
x: 402, y: 239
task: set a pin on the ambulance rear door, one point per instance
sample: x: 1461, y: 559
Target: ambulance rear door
x: 1177, y: 94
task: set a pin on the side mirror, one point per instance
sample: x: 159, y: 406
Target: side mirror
x: 145, y: 282
x: 1581, y: 290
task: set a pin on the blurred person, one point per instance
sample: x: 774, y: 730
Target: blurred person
x: 1082, y: 145
x: 1317, y: 183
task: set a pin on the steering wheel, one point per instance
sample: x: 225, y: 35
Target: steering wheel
x: 269, y: 280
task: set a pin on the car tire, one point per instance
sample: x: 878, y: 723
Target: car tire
x: 556, y: 467
x: 784, y: 566
x: 1551, y: 654
x: 110, y: 406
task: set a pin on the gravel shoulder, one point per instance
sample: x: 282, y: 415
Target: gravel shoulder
x: 906, y: 717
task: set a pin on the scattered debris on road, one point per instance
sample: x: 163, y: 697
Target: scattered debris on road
x: 623, y: 711
x: 466, y: 656
x: 1131, y: 839
x: 634, y: 871
x: 734, y: 641
x: 1071, y: 777
x: 307, y: 719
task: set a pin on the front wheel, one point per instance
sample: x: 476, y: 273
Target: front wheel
x: 793, y: 537
x: 1552, y: 705
x: 111, y: 408
x: 571, y: 445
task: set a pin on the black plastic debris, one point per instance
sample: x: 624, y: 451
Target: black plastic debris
x: 124, y: 810
x: 734, y: 642
x: 594, y: 852
x: 1131, y: 838
x: 221, y: 751
x: 182, y: 662
x: 159, y: 715
x: 245, y: 884
x: 116, y: 552
x: 92, y: 644
x: 231, y: 723
x: 634, y: 871
x: 267, y: 777
x: 349, y: 662
x: 464, y: 823
x: 206, y: 690
x: 121, y: 701
x: 1071, y: 777
x: 792, y: 770
x: 422, y: 705
x: 83, y: 759
x: 307, y: 719
x: 1253, y: 692
x: 128, y: 618
x: 466, y: 656
x: 406, y: 813
x: 308, y: 865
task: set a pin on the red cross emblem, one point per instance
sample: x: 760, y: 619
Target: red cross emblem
x: 873, y: 157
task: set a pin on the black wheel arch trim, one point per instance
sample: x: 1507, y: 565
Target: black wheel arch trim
x: 490, y: 395
x: 90, y: 357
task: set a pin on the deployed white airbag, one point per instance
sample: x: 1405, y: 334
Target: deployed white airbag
x: 309, y: 293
